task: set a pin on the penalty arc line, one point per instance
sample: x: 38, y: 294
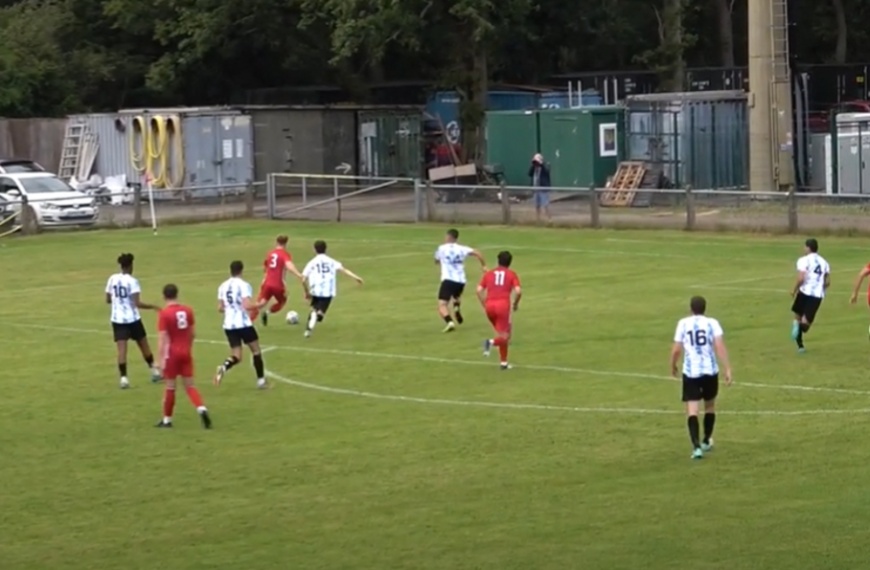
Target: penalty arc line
x: 437, y: 360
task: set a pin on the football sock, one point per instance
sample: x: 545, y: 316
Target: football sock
x: 805, y: 327
x: 259, y: 368
x: 457, y: 312
x: 195, y: 398
x: 122, y: 368
x: 502, y: 345
x: 168, y: 402
x: 312, y: 320
x: 448, y: 319
x: 709, y: 423
x: 800, y: 339
x: 694, y: 431
x: 149, y: 360
x: 230, y: 362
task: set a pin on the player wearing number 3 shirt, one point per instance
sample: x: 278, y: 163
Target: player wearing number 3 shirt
x: 277, y: 263
x: 499, y: 293
x: 175, y: 347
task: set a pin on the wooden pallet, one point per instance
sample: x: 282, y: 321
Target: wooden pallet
x: 624, y: 185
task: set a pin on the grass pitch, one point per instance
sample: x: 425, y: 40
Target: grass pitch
x: 388, y: 445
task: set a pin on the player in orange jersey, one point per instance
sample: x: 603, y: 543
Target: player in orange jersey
x: 499, y: 293
x: 278, y: 262
x: 175, y: 347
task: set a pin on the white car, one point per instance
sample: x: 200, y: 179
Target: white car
x: 55, y: 202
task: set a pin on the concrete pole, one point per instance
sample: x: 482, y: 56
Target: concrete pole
x: 782, y: 135
x: 760, y: 99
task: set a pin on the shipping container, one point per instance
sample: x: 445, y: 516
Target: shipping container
x: 849, y: 155
x: 444, y: 106
x: 698, y: 139
x: 580, y: 145
x: 192, y: 146
x: 113, y: 138
x: 511, y: 101
x: 568, y: 100
x: 511, y: 141
x: 390, y: 144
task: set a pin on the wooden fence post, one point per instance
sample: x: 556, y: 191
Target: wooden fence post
x: 505, y: 204
x: 690, y: 209
x: 29, y: 224
x: 250, y: 193
x: 430, y: 202
x: 594, y: 208
x: 792, y: 211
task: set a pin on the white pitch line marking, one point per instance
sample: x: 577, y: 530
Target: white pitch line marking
x: 736, y: 281
x: 433, y: 359
x: 543, y: 407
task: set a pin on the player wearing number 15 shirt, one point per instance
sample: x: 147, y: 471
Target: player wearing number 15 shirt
x: 176, y: 326
x: 699, y: 339
x: 813, y: 280
x: 277, y: 264
x: 499, y: 293
x: 321, y: 276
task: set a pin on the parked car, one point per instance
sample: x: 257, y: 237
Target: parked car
x: 17, y: 165
x: 54, y: 202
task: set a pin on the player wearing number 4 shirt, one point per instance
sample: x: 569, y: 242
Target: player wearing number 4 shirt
x: 451, y: 257
x: 499, y: 293
x: 813, y: 280
x: 277, y: 264
x: 699, y: 339
x: 122, y: 293
x: 236, y: 303
x: 175, y: 347
x: 320, y: 282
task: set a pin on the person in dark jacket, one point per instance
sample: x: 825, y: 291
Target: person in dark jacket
x: 539, y: 172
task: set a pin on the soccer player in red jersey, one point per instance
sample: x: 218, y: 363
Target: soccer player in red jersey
x: 499, y: 293
x: 277, y: 263
x: 175, y: 347
x: 862, y: 275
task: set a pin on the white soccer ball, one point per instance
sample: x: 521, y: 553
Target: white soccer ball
x: 292, y: 318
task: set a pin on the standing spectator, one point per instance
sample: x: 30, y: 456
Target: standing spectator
x: 539, y: 172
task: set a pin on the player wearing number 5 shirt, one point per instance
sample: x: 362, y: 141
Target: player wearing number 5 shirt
x: 813, y: 280
x: 699, y: 339
x: 499, y: 293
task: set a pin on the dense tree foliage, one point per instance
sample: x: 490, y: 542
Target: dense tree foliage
x: 60, y: 56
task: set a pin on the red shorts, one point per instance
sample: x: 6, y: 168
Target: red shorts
x: 178, y: 365
x: 273, y: 291
x: 499, y: 314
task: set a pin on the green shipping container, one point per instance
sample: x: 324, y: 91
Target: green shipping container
x: 390, y: 144
x: 581, y: 145
x: 511, y: 142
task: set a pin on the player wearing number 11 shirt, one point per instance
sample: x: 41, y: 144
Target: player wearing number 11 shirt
x: 499, y: 293
x: 277, y: 264
x: 175, y: 347
x: 699, y: 339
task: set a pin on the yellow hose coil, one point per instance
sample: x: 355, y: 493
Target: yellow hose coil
x: 160, y: 152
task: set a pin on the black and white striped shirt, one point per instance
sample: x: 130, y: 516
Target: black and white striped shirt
x: 232, y: 294
x: 122, y: 287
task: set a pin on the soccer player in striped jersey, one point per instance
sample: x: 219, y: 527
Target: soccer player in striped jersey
x: 321, y: 276
x: 451, y: 257
x: 122, y: 293
x: 813, y: 280
x: 699, y: 339
x: 235, y: 301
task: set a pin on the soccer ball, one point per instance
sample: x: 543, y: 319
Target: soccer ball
x: 292, y: 318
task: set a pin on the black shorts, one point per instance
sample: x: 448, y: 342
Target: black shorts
x: 450, y: 290
x: 702, y: 388
x: 806, y: 306
x: 321, y: 304
x: 238, y: 337
x: 134, y: 331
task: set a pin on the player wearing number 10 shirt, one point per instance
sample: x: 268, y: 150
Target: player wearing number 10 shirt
x: 699, y: 339
x: 176, y: 325
x: 277, y: 263
x: 499, y: 293
x: 813, y: 280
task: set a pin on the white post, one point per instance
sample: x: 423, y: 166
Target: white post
x: 151, y: 204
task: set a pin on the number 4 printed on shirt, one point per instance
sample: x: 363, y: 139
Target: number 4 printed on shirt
x: 818, y: 270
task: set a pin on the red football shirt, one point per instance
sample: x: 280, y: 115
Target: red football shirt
x: 499, y: 284
x: 177, y: 321
x: 276, y: 265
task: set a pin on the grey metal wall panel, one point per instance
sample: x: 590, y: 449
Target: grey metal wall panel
x: 218, y: 151
x: 113, y: 137
x: 340, y: 141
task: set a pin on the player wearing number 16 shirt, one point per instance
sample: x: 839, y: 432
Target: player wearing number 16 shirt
x: 499, y: 293
x: 321, y: 276
x: 277, y: 264
x: 175, y: 347
x: 699, y: 339
x: 122, y: 293
x: 236, y: 303
x: 813, y: 280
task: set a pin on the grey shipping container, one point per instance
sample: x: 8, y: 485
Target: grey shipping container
x: 390, y: 143
x: 699, y: 139
x: 113, y: 132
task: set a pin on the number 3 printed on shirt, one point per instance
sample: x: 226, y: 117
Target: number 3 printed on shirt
x: 273, y: 261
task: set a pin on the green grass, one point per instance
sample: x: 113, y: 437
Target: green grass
x: 585, y: 465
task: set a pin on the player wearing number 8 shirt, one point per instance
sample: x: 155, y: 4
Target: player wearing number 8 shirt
x: 236, y: 303
x: 278, y: 262
x: 495, y: 291
x: 122, y: 293
x: 813, y: 280
x: 699, y: 339
x: 175, y: 347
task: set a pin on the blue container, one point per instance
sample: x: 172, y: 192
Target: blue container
x: 554, y: 100
x: 591, y: 98
x: 444, y: 105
